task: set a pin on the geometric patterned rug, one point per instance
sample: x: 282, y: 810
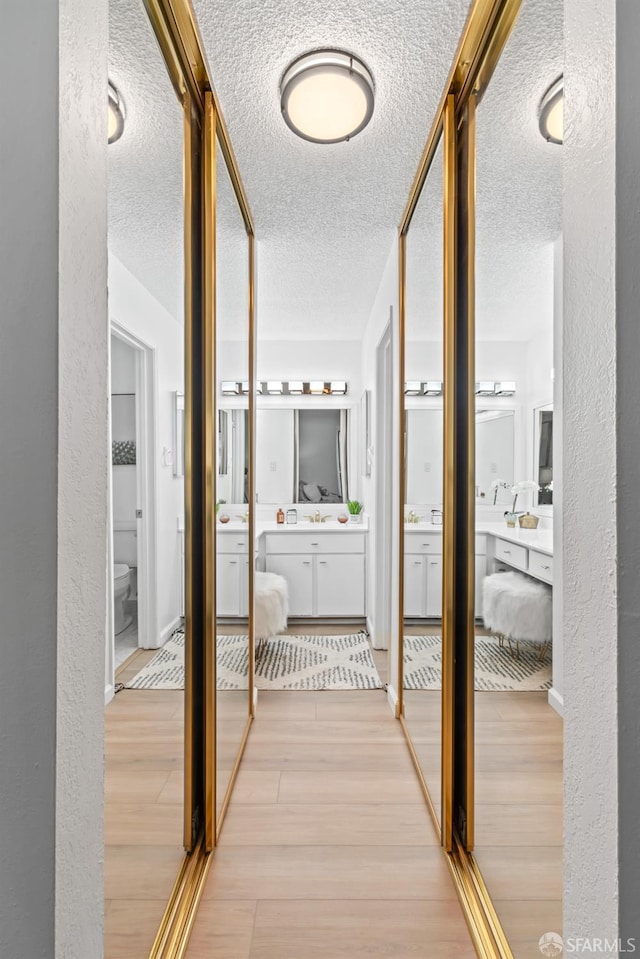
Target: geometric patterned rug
x: 495, y: 667
x: 287, y: 662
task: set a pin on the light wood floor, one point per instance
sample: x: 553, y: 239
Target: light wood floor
x: 518, y: 762
x: 143, y: 811
x: 328, y: 851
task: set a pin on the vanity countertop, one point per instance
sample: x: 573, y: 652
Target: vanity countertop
x: 304, y: 526
x: 539, y: 539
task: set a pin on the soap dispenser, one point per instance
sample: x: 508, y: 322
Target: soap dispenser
x: 280, y: 515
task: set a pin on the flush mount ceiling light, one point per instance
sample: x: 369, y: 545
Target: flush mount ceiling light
x: 551, y: 112
x: 327, y: 96
x: 115, y: 115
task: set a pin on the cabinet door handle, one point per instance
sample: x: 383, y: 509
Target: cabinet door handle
x: 323, y: 562
x: 417, y: 563
x: 545, y: 567
x: 233, y: 563
x: 434, y: 562
x: 426, y: 544
x: 507, y: 552
x: 307, y: 562
x: 239, y: 544
x: 314, y: 544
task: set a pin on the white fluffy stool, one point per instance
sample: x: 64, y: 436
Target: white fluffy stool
x: 517, y: 607
x: 271, y: 606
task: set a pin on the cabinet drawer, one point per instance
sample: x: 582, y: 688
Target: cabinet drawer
x: 512, y: 554
x: 421, y: 544
x: 319, y: 542
x: 232, y: 542
x: 541, y: 566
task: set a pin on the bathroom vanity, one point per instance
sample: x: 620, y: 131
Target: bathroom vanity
x: 324, y: 565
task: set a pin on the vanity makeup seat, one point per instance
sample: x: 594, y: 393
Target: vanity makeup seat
x: 271, y: 594
x: 516, y: 607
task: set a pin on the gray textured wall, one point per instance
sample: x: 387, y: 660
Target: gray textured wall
x: 53, y: 361
x: 28, y: 476
x: 589, y: 473
x: 628, y: 387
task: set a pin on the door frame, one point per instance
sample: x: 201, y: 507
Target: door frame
x: 145, y: 373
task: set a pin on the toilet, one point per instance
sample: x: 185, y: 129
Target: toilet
x: 121, y: 592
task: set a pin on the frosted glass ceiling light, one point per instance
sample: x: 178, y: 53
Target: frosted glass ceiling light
x: 327, y: 96
x: 115, y: 114
x: 551, y: 113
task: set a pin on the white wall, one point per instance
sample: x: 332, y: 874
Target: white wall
x: 133, y: 308
x: 386, y: 300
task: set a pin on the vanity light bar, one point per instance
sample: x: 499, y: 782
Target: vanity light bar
x: 506, y: 388
x: 482, y: 388
x: 290, y: 388
x: 486, y: 388
x: 432, y: 388
x: 230, y: 389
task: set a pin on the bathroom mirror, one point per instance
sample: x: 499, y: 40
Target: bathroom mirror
x: 495, y: 442
x: 233, y: 456
x: 422, y: 553
x: 302, y: 456
x: 233, y: 551
x: 178, y: 433
x: 543, y: 453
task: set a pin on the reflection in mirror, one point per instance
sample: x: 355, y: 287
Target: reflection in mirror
x: 495, y: 449
x: 422, y: 554
x: 518, y: 742
x: 302, y: 456
x: 233, y: 551
x: 144, y: 722
x: 543, y: 453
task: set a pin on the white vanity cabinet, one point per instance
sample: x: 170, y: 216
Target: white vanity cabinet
x: 325, y: 570
x: 423, y: 574
x: 232, y: 573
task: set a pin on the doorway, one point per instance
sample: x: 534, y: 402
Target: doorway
x: 381, y: 637
x: 132, y: 499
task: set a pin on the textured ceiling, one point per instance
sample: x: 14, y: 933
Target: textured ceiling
x: 326, y: 215
x: 518, y: 197
x: 145, y: 165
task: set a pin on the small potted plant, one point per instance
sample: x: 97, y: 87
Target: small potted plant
x: 355, y: 511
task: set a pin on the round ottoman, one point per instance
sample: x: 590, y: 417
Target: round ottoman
x: 516, y: 607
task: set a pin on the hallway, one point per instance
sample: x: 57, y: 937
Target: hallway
x: 327, y: 850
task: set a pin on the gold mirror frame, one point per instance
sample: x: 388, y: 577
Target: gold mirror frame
x: 487, y: 29
x: 175, y: 28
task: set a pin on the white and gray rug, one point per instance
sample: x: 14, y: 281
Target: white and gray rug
x: 496, y: 667
x: 287, y: 662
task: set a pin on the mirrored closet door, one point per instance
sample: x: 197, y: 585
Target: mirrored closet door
x: 518, y: 733
x: 234, y: 550
x: 423, y: 426
x: 148, y: 757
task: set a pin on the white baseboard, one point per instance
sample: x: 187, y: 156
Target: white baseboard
x: 169, y: 630
x: 370, y: 628
x: 556, y: 700
x: 392, y: 699
x: 109, y: 693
